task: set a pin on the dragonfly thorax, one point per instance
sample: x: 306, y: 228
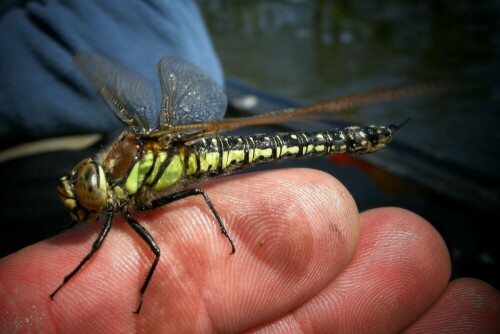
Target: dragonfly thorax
x: 85, y: 191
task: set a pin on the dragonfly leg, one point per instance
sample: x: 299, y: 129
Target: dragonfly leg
x: 95, y: 247
x: 144, y: 234
x: 193, y: 192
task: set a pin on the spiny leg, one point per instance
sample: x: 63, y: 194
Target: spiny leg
x: 193, y: 192
x: 144, y: 234
x: 95, y: 247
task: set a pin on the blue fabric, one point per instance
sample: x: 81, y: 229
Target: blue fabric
x: 41, y: 92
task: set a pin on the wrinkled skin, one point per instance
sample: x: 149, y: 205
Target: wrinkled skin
x: 305, y: 261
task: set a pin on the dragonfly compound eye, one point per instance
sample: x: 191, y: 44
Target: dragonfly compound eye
x: 91, y: 187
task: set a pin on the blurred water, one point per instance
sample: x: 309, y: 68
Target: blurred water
x: 311, y: 51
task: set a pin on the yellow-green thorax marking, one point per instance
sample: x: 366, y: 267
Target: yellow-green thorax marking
x: 151, y: 167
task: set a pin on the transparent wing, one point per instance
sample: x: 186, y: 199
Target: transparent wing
x: 189, y: 95
x: 320, y: 111
x: 130, y: 96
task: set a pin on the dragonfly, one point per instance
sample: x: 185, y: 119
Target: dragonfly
x: 165, y: 150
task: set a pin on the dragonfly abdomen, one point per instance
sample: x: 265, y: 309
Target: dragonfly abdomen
x: 223, y: 154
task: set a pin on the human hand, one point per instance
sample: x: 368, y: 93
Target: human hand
x: 305, y: 261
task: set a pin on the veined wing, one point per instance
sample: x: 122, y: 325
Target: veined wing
x: 324, y: 110
x: 130, y: 96
x: 189, y: 94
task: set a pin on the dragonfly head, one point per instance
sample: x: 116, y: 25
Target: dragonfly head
x: 84, y: 191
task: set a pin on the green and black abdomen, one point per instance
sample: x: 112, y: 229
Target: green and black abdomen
x: 221, y: 154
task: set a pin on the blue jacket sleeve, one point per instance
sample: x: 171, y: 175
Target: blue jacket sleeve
x: 42, y: 94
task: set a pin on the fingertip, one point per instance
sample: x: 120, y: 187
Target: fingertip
x: 467, y: 305
x: 310, y: 203
x: 401, y: 267
x: 414, y: 234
